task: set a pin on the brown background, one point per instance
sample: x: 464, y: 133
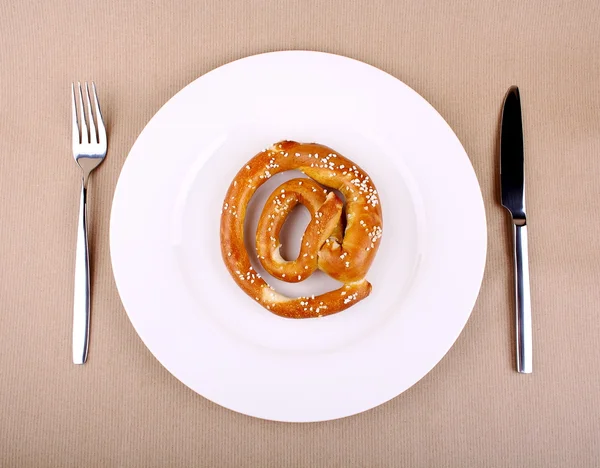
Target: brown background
x: 124, y: 409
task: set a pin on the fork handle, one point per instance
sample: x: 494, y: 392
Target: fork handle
x: 81, y: 302
x: 523, y: 301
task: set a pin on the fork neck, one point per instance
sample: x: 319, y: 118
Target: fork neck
x: 84, y: 179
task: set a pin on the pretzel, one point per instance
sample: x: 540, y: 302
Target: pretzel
x: 343, y: 247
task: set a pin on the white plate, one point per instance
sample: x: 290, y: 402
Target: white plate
x: 208, y: 333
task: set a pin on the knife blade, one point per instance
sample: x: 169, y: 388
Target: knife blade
x: 512, y: 180
x: 511, y: 156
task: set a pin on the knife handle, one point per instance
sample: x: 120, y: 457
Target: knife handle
x: 523, y: 301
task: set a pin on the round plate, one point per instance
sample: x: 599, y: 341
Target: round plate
x: 196, y: 321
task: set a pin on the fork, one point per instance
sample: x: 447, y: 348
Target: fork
x: 89, y: 150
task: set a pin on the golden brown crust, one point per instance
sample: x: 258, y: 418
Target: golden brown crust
x: 344, y: 255
x: 325, y: 210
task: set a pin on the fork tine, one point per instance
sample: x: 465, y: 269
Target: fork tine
x: 90, y: 119
x: 99, y: 121
x: 74, y: 108
x: 85, y: 138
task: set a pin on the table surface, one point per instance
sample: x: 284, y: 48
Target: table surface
x: 124, y: 409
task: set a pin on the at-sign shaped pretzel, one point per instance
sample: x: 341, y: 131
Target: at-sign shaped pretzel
x: 340, y: 240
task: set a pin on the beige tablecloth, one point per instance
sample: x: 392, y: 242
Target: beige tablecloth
x: 473, y: 409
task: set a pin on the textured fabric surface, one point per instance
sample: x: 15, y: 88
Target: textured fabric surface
x: 123, y: 409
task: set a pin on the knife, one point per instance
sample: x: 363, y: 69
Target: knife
x: 512, y: 179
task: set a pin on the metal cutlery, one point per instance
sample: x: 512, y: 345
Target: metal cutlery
x: 89, y: 150
x: 512, y: 179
